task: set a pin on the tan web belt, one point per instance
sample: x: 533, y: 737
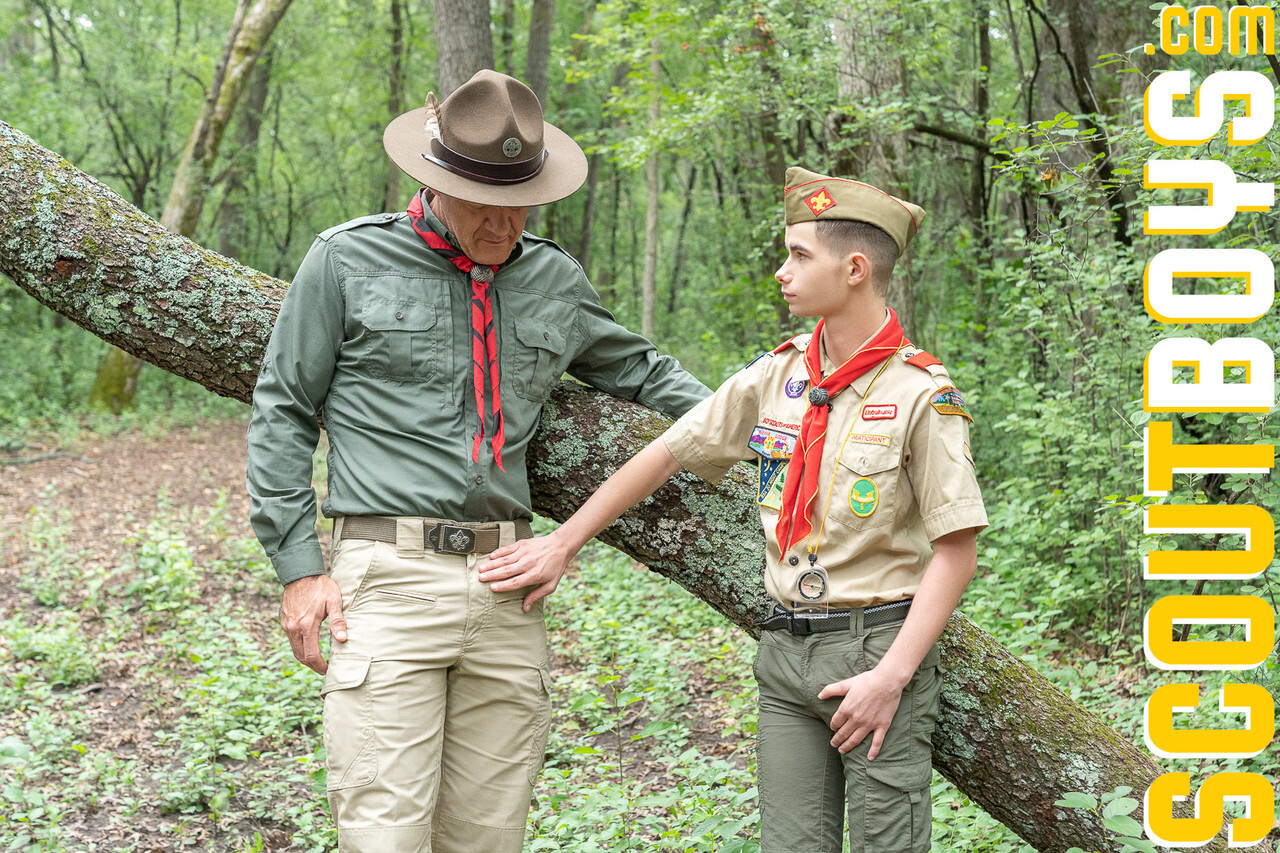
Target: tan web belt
x: 443, y: 537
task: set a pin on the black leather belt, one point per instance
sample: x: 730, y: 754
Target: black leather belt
x: 803, y: 624
x: 443, y: 537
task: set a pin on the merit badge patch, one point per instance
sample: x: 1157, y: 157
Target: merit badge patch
x: 795, y: 387
x: 820, y: 202
x: 863, y: 497
x: 772, y: 443
x: 769, y: 489
x: 879, y: 412
x: 949, y: 402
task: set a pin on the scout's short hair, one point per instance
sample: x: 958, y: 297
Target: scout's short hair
x: 843, y: 236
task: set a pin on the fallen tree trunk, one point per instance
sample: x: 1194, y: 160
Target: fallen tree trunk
x: 1007, y: 738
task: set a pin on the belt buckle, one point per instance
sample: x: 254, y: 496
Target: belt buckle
x: 794, y: 625
x: 452, y: 539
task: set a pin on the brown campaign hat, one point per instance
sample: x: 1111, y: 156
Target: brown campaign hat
x: 487, y: 143
x: 811, y: 197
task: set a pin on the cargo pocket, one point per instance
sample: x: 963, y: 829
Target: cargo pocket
x: 541, y: 724
x: 349, y: 738
x: 898, y: 812
x: 542, y: 345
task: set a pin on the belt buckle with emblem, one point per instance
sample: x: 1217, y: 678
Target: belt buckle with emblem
x: 452, y: 539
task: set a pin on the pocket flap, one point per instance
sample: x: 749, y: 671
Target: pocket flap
x: 539, y: 334
x: 345, y: 672
x: 905, y: 776
x: 398, y: 316
x: 871, y: 458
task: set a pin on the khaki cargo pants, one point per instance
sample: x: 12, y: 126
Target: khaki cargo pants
x: 437, y: 707
x: 805, y: 784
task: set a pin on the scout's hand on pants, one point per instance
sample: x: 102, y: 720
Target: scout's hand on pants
x: 539, y: 563
x: 870, y: 701
x: 306, y: 603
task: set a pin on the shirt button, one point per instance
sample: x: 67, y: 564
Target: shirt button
x: 546, y: 336
x: 794, y: 560
x: 479, y: 478
x: 399, y: 315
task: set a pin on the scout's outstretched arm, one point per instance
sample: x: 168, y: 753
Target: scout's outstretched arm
x: 541, y: 562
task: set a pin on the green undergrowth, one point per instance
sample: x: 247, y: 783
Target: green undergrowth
x: 148, y: 694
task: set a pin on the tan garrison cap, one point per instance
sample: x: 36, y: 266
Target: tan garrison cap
x: 811, y: 197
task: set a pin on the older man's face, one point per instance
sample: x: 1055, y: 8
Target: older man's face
x: 486, y: 233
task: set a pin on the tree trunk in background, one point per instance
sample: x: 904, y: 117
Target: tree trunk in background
x: 464, y: 44
x: 649, y: 284
x: 1006, y: 737
x: 233, y: 231
x: 536, y: 59
x: 251, y: 28
x: 508, y: 37
x: 395, y: 99
x: 863, y: 28
x: 978, y: 169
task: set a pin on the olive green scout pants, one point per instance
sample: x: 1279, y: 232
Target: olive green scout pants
x: 436, y: 709
x: 805, y: 784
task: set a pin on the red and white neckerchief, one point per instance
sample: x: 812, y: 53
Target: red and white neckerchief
x: 484, y: 340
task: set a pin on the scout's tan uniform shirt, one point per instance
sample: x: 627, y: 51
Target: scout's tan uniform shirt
x: 896, y: 469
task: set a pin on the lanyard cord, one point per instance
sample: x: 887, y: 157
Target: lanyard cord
x: 813, y: 546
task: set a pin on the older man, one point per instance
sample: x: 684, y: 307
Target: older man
x: 431, y: 339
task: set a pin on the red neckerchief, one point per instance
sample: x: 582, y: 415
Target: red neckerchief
x: 801, y: 484
x: 484, y: 341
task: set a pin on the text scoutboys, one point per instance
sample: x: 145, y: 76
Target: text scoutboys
x: 863, y: 455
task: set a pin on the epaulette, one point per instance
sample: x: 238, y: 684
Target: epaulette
x: 923, y: 360
x: 375, y: 219
x: 800, y: 342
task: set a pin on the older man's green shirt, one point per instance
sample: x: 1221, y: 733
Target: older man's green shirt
x: 376, y: 331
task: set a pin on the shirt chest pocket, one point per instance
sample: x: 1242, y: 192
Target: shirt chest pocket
x: 866, y: 487
x: 401, y: 339
x: 537, y: 359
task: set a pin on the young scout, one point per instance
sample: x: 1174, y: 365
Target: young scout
x: 862, y: 447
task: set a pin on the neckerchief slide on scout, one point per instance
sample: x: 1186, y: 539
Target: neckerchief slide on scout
x: 484, y: 341
x: 801, y: 483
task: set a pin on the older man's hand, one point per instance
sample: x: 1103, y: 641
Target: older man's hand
x: 306, y: 604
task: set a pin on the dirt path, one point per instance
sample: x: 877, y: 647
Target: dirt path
x: 110, y: 487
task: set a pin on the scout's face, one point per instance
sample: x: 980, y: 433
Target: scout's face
x: 486, y: 233
x: 815, y: 283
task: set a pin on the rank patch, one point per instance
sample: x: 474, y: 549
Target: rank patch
x: 863, y: 497
x: 795, y: 387
x: 771, y: 443
x: 773, y: 472
x: 869, y: 438
x: 820, y: 202
x: 879, y: 412
x: 949, y: 402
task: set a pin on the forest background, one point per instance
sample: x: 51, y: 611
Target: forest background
x: 1016, y: 124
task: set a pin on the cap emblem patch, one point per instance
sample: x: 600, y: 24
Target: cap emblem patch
x: 820, y: 202
x: 512, y: 148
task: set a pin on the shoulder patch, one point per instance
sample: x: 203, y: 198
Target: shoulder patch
x: 375, y: 219
x: 800, y: 342
x: 948, y: 401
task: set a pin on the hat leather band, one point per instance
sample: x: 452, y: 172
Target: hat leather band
x: 484, y: 171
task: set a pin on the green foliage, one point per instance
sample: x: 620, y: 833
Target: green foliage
x: 1112, y: 809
